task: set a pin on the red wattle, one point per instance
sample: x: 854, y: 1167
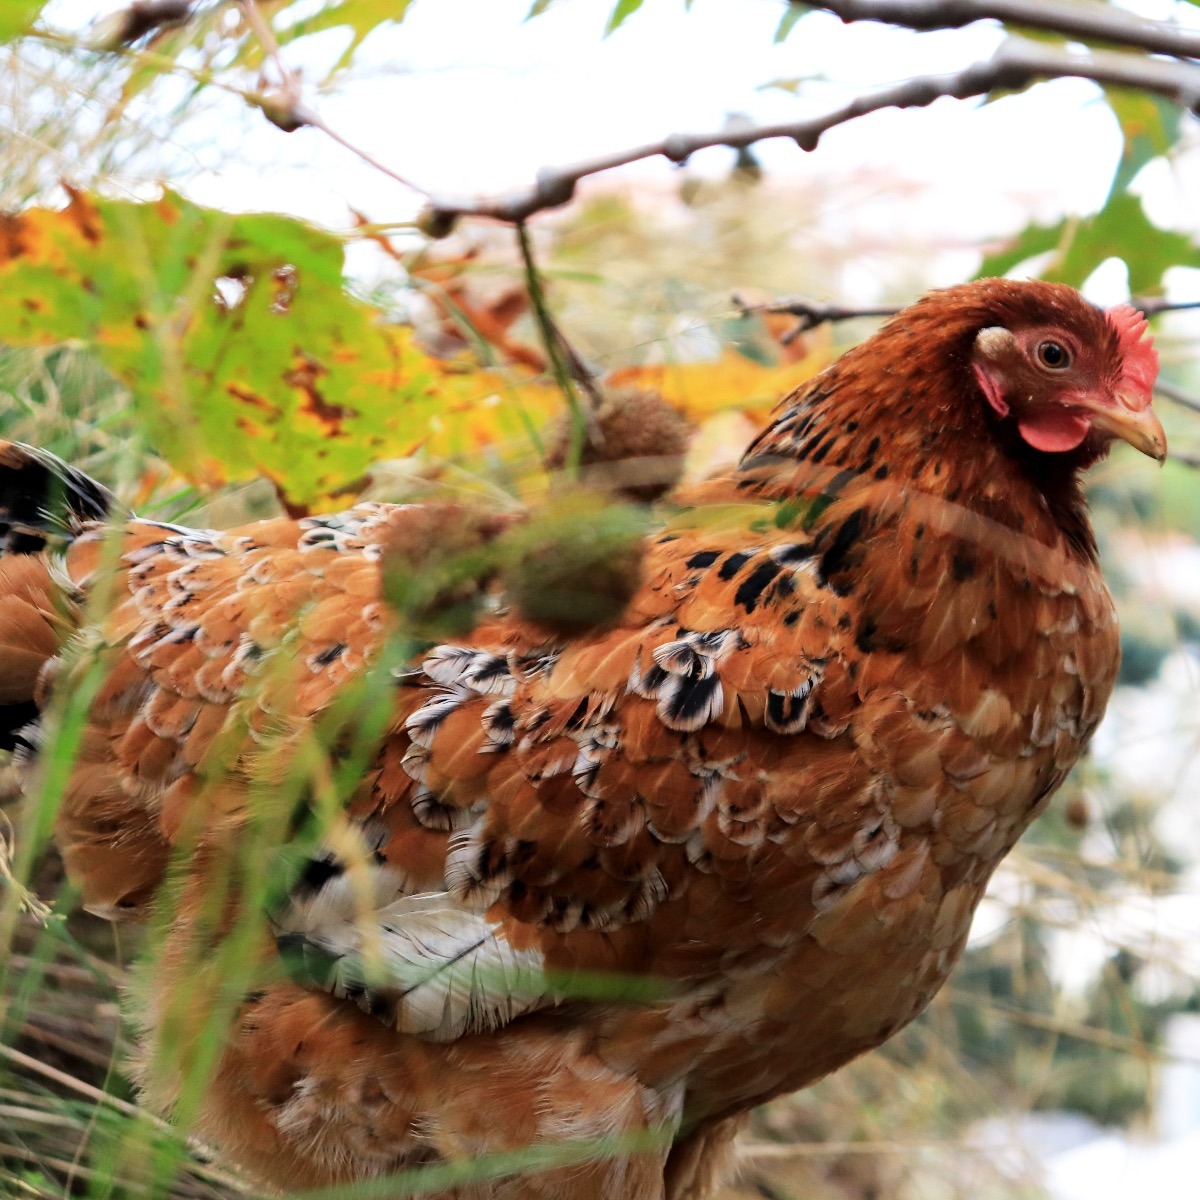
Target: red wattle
x: 1054, y: 430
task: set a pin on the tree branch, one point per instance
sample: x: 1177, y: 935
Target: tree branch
x: 811, y: 313
x: 1153, y: 306
x: 1086, y: 21
x: 1016, y: 64
x: 287, y: 109
x: 1177, y: 395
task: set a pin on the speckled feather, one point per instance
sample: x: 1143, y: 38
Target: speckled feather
x: 857, y: 667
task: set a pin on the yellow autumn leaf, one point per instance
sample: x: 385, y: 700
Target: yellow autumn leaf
x: 733, y: 382
x: 495, y: 410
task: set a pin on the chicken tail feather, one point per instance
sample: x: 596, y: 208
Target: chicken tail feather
x: 43, y: 501
x: 41, y: 497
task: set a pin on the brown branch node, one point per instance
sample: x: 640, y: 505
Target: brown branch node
x: 131, y: 24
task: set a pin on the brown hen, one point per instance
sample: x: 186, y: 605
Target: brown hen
x: 767, y: 798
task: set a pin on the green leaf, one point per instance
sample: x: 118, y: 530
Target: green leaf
x: 235, y: 334
x: 788, y: 21
x: 361, y: 17
x: 16, y: 16
x: 624, y: 8
x: 1030, y: 242
x: 539, y: 7
x: 1149, y: 127
x: 749, y: 336
x: 1120, y: 230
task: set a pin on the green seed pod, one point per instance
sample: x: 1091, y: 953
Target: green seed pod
x: 576, y: 564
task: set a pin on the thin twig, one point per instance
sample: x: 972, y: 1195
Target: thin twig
x: 1128, y: 1044
x: 266, y: 39
x: 285, y: 108
x: 160, y: 63
x: 563, y: 356
x: 1015, y: 64
x: 71, y: 1045
x: 289, y: 111
x: 1177, y: 395
x: 1153, y: 306
x: 567, y: 367
x: 25, y: 1062
x: 66, y: 972
x: 1085, y: 21
x: 811, y: 313
x: 230, y: 1182
x: 316, y: 121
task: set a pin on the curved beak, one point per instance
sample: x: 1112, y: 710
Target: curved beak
x: 1132, y: 422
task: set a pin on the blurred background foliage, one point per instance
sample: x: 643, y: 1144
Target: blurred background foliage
x: 221, y: 366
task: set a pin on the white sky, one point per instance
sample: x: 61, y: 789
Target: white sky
x: 467, y: 96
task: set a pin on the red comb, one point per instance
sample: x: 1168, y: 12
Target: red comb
x: 1139, y: 359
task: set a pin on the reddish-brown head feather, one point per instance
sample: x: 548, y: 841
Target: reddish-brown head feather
x: 953, y: 396
x: 965, y: 363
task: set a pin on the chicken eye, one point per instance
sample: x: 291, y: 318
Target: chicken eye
x: 1054, y: 355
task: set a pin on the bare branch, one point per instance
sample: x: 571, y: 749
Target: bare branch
x: 287, y: 110
x: 1089, y: 21
x: 1177, y: 395
x: 316, y: 121
x: 1152, y: 306
x: 811, y: 313
x: 1016, y: 64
